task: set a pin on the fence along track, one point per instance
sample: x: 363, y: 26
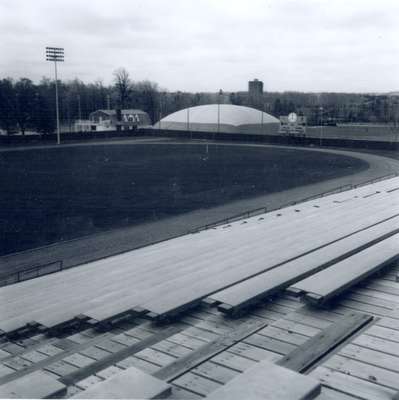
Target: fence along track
x: 262, y: 210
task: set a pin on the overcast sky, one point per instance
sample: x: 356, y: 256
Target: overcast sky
x: 205, y: 45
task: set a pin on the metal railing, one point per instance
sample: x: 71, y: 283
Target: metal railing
x: 262, y: 210
x: 32, y: 272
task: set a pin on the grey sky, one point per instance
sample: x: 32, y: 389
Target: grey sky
x: 205, y: 45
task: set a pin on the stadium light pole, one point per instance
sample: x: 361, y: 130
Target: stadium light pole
x: 321, y: 125
x: 56, y: 54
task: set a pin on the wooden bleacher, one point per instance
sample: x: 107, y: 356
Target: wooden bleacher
x: 169, y: 277
x: 351, y: 348
x: 243, y: 294
x: 324, y: 285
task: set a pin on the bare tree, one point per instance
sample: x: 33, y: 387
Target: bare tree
x: 123, y: 86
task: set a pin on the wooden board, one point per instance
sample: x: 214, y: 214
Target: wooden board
x: 128, y: 384
x: 207, y: 351
x: 371, y: 356
x: 119, y: 355
x: 260, y: 286
x: 315, y: 348
x: 364, y: 371
x: 351, y: 385
x: 268, y: 381
x: 37, y: 385
x: 330, y: 282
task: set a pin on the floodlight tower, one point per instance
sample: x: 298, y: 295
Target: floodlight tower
x: 321, y: 125
x: 56, y: 54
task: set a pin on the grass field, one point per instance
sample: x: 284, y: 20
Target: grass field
x: 55, y: 194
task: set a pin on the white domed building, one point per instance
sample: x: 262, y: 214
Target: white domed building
x: 223, y: 118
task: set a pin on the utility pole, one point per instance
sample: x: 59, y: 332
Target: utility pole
x: 56, y: 54
x: 321, y: 125
x: 220, y: 93
x: 188, y: 119
x: 261, y: 113
x: 108, y: 102
x: 160, y: 111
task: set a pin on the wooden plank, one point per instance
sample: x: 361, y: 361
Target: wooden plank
x: 126, y: 340
x: 171, y: 348
x: 364, y: 371
x: 106, y: 373
x: 179, y: 393
x: 284, y: 335
x: 196, y: 384
x: 130, y: 383
x: 315, y: 322
x: 392, y: 323
x: 332, y: 281
x: 359, y: 388
x: 17, y: 363
x: 95, y: 353
x: 187, y: 341
x: 271, y: 344
x: 372, y: 300
x: 4, y: 370
x: 215, y: 372
x: 155, y: 357
x: 346, y: 305
x: 78, y: 360
x: 317, y: 347
x: 200, y: 334
x: 268, y: 381
x: 254, y: 289
x: 254, y: 353
x: 376, y: 294
x: 299, y: 326
x: 89, y: 381
x: 383, y: 333
x: 330, y: 394
x: 61, y: 368
x: 37, y: 385
x: 375, y: 343
x: 377, y: 285
x: 233, y: 361
x: 370, y: 356
x: 143, y: 365
x: 207, y: 351
x: 118, y: 356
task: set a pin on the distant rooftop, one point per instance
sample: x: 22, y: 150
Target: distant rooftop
x: 126, y: 111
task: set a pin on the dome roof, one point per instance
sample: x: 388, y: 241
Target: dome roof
x: 229, y: 115
x: 223, y: 118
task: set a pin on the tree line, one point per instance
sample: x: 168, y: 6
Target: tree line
x: 28, y: 106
